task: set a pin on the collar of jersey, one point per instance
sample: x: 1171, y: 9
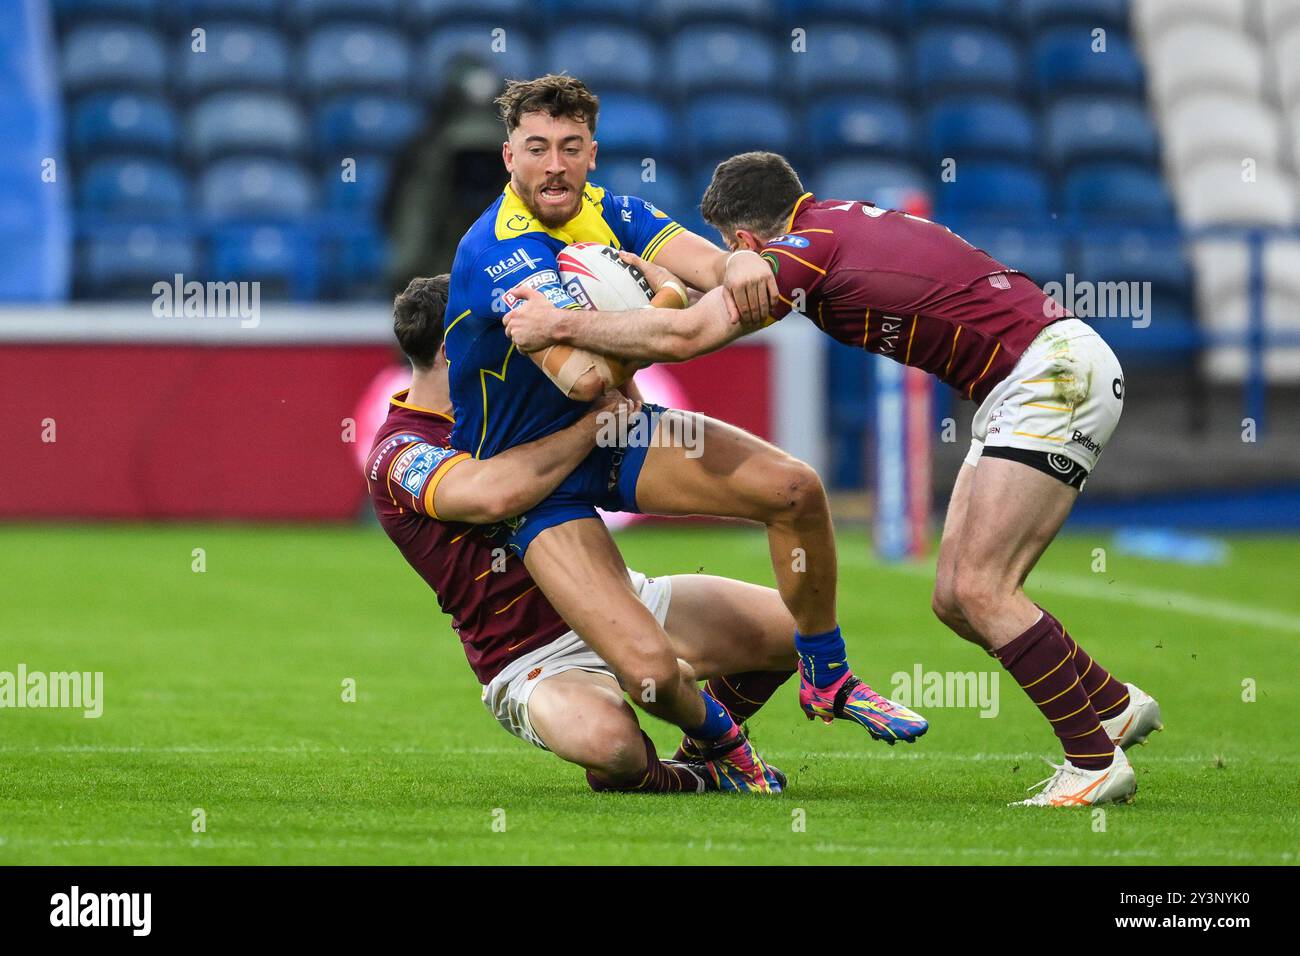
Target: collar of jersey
x: 514, y: 219
x: 795, y: 211
x: 400, y: 401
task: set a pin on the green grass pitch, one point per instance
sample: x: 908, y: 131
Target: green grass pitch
x: 223, y: 693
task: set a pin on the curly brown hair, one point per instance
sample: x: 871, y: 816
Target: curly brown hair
x: 556, y: 94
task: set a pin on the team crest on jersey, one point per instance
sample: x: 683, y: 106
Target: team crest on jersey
x: 794, y: 242
x: 413, y: 473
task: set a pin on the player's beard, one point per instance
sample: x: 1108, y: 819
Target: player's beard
x: 550, y: 215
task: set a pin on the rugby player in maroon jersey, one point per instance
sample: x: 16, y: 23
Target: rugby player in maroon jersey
x: 443, y: 509
x: 1049, y: 391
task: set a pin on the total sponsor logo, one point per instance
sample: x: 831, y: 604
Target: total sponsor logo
x: 519, y: 259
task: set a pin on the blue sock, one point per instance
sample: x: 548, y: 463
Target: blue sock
x: 822, y: 656
x: 716, y: 721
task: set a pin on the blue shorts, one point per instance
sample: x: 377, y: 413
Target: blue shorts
x: 605, y: 479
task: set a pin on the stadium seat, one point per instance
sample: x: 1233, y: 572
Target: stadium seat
x: 104, y: 123
x: 635, y: 126
x: 1214, y: 193
x: 728, y: 124
x: 996, y: 190
x: 283, y: 260
x: 122, y: 55
x: 1041, y: 15
x: 1223, y: 286
x: 884, y: 14
x: 1038, y: 253
x: 561, y: 13
x: 979, y: 127
x: 355, y: 264
x: 267, y: 11
x: 121, y: 261
x: 146, y: 188
x: 1146, y: 255
x: 1286, y: 68
x: 1095, y: 128
x: 674, y: 14
x: 311, y: 12
x: 230, y: 123
x: 623, y: 177
x: 880, y: 181
x: 256, y: 188
x: 426, y: 14
x: 360, y: 196
x: 846, y: 58
x: 1117, y: 192
x: 965, y: 60
x: 356, y: 57
x: 1277, y: 17
x: 72, y: 11
x: 841, y: 125
x: 1169, y: 336
x: 367, y: 122
x: 605, y: 56
x: 1152, y: 18
x: 1198, y: 57
x: 237, y: 55
x: 1221, y: 125
x: 1066, y: 64
x: 716, y: 58
x: 994, y: 13
x: 473, y: 42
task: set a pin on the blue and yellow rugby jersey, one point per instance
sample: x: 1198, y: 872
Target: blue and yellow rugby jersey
x: 502, y: 398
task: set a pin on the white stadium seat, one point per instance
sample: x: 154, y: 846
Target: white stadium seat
x: 1285, y: 57
x: 1276, y: 16
x: 1221, y: 126
x: 1152, y: 18
x: 1198, y: 57
x: 1214, y: 193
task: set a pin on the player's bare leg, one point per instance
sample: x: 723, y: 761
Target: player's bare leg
x: 698, y: 465
x: 1006, y: 516
x: 579, y: 569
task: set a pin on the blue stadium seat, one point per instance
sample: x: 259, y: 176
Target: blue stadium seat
x: 124, y: 122
x: 146, y: 188
x: 282, y: 259
x: 730, y: 123
x: 1093, y: 128
x: 474, y: 42
x: 1038, y: 253
x: 965, y: 60
x: 355, y: 264
x: 565, y: 12
x: 1118, y: 192
x: 1044, y: 14
x: 674, y: 14
x: 71, y: 11
x: 996, y: 13
x: 118, y: 261
x: 981, y: 126
x: 121, y: 55
x: 267, y: 11
x: 842, y: 125
x: 995, y: 190
x: 1127, y: 254
x: 622, y: 177
x: 1064, y: 63
x: 238, y: 55
x: 370, y: 122
x: 256, y: 188
x: 229, y: 123
x: 714, y: 58
x: 436, y: 13
x: 361, y: 196
x: 878, y: 181
x: 635, y: 126
x: 605, y: 56
x: 843, y: 57
x: 311, y: 12
x: 1173, y: 337
x: 885, y: 14
x: 356, y: 57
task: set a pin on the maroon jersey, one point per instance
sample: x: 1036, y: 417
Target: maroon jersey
x: 495, y: 607
x: 907, y: 288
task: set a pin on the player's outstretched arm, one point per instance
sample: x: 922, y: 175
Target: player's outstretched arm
x: 482, y: 491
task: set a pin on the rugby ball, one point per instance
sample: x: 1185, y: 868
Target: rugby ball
x: 596, y: 278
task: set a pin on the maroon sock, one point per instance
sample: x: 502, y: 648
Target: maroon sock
x: 1039, y: 660
x: 742, y: 695
x: 1109, y: 696
x: 658, y: 777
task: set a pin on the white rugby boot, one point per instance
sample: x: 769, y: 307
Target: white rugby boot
x: 1136, y: 722
x: 1073, y: 786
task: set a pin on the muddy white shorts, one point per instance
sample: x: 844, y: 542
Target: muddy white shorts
x: 1058, y: 407
x: 506, y: 695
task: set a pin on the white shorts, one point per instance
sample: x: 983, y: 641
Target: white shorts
x: 506, y: 695
x: 1057, y: 408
